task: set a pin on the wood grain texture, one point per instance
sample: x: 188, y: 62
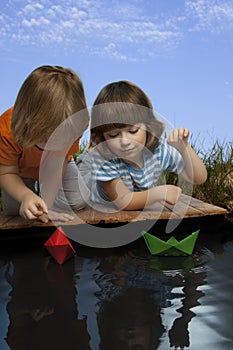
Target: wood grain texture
x: 187, y: 207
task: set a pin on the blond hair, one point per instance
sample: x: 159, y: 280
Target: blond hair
x: 120, y: 104
x: 48, y: 96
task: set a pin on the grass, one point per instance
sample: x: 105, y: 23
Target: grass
x: 218, y: 188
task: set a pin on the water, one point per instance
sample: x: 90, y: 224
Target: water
x: 118, y: 298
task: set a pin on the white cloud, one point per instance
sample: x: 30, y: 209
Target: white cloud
x: 39, y: 22
x: 212, y: 15
x: 32, y: 8
x: 111, y: 50
x: 115, y: 28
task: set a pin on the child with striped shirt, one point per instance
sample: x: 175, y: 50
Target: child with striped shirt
x: 128, y: 151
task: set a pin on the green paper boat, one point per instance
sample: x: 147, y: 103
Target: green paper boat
x: 172, y: 247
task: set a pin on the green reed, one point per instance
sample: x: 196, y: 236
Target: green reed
x: 218, y: 188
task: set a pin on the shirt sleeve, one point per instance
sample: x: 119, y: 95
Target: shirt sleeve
x: 172, y: 160
x: 10, y: 151
x: 103, y: 169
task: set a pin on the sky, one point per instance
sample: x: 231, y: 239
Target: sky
x: 180, y: 52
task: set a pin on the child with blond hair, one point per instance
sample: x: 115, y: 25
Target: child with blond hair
x: 50, y: 97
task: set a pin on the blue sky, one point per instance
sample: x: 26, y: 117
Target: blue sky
x: 180, y: 52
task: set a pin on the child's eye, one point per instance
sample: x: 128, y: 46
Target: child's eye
x: 133, y: 131
x: 112, y: 135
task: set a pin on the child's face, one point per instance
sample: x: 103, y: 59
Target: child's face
x: 128, y: 142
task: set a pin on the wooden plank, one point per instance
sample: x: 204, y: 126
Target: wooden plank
x: 192, y: 207
x: 158, y: 211
x: 202, y: 207
x: 184, y: 209
x: 187, y: 207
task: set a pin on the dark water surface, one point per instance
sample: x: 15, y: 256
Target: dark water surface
x: 118, y: 298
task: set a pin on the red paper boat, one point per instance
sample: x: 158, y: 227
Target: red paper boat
x: 59, y: 246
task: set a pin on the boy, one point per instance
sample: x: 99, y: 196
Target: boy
x: 47, y: 99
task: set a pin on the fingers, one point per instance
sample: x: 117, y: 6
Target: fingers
x: 57, y: 216
x: 36, y: 211
x: 42, y: 207
x: 173, y: 194
x: 27, y: 214
x: 177, y: 134
x: 39, y: 211
x: 32, y: 208
x: 65, y: 217
x: 54, y: 216
x: 43, y: 218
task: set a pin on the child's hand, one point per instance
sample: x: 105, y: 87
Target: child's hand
x: 32, y: 207
x: 172, y: 194
x: 178, y: 138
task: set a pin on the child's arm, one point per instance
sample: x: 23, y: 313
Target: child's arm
x: 32, y: 206
x: 52, y: 171
x: 124, y: 199
x: 194, y: 169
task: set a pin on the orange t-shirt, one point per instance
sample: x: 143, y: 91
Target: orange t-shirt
x: 27, y: 159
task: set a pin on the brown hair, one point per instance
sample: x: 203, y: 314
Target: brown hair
x: 48, y: 96
x: 120, y: 104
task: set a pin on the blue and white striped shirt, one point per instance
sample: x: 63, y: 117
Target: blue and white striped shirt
x: 164, y: 158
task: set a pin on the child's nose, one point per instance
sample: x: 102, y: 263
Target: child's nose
x: 124, y: 140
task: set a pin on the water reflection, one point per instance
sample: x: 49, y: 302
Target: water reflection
x: 119, y: 298
x: 5, y: 289
x: 41, y: 306
x: 130, y: 299
x: 214, y: 316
